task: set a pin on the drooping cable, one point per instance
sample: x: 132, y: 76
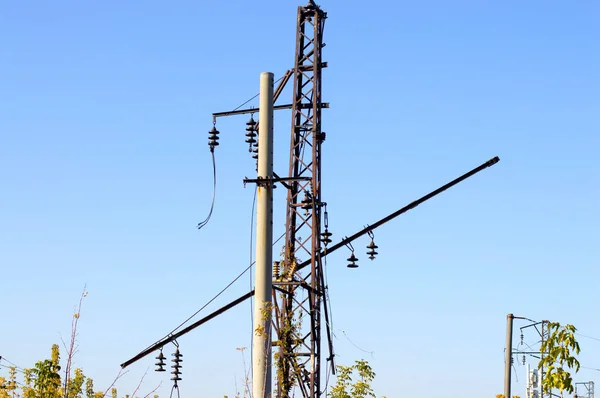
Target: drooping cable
x: 207, y: 304
x: 212, y: 205
x: 329, y: 324
x: 173, y: 389
x: 361, y: 349
x: 212, y: 147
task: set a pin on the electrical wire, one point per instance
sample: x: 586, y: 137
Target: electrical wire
x: 587, y: 337
x: 586, y: 367
x: 276, y: 81
x: 175, y: 387
x: 20, y: 369
x: 212, y: 205
x: 16, y: 368
x: 214, y: 298
x: 351, y: 342
x: 329, y: 324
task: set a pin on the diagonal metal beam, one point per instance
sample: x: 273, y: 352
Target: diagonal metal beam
x: 193, y: 326
x: 403, y: 210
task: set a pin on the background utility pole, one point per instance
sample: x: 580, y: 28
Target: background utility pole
x: 261, y: 336
x: 508, y: 354
x: 543, y: 338
x: 589, y: 389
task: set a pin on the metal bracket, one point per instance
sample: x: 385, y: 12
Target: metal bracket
x: 266, y: 181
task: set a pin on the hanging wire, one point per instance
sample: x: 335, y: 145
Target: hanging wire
x: 9, y: 367
x: 207, y: 219
x: 212, y: 205
x: 587, y: 337
x: 214, y: 298
x: 175, y: 388
x: 276, y: 81
x: 352, y: 342
x: 18, y: 368
x: 329, y: 325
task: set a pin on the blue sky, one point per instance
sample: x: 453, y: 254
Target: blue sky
x: 104, y: 113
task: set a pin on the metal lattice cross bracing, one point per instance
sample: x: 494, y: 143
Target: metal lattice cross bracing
x: 298, y: 293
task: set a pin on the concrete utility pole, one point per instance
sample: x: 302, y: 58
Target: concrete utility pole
x: 261, y: 337
x: 508, y: 357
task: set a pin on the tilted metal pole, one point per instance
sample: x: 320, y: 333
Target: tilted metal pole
x: 261, y: 337
x: 508, y: 357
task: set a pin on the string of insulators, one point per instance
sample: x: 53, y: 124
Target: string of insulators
x: 250, y: 133
x: 176, y: 372
x: 352, y: 259
x: 213, y: 138
x: 371, y: 252
x: 326, y: 237
x: 523, y: 359
x: 160, y: 365
x: 276, y: 269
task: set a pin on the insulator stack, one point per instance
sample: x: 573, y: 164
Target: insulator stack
x: 276, y: 269
x: 371, y: 252
x: 352, y: 261
x: 160, y: 365
x: 176, y: 372
x: 250, y: 133
x: 326, y: 237
x: 213, y: 138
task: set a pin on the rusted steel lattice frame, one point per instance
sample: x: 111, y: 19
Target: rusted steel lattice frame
x: 298, y: 294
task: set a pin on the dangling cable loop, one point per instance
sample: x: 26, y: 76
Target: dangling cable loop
x: 175, y: 387
x: 212, y: 205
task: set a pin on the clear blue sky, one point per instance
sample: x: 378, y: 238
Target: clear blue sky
x: 105, y: 171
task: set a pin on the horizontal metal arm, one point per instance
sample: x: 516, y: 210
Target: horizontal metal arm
x: 403, y: 210
x: 193, y: 326
x: 275, y: 108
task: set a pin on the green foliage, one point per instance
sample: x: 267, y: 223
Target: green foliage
x: 560, y: 350
x: 44, y: 381
x: 361, y: 388
x: 75, y: 387
x: 89, y: 388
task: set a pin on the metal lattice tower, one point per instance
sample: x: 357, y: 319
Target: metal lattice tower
x: 298, y: 293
